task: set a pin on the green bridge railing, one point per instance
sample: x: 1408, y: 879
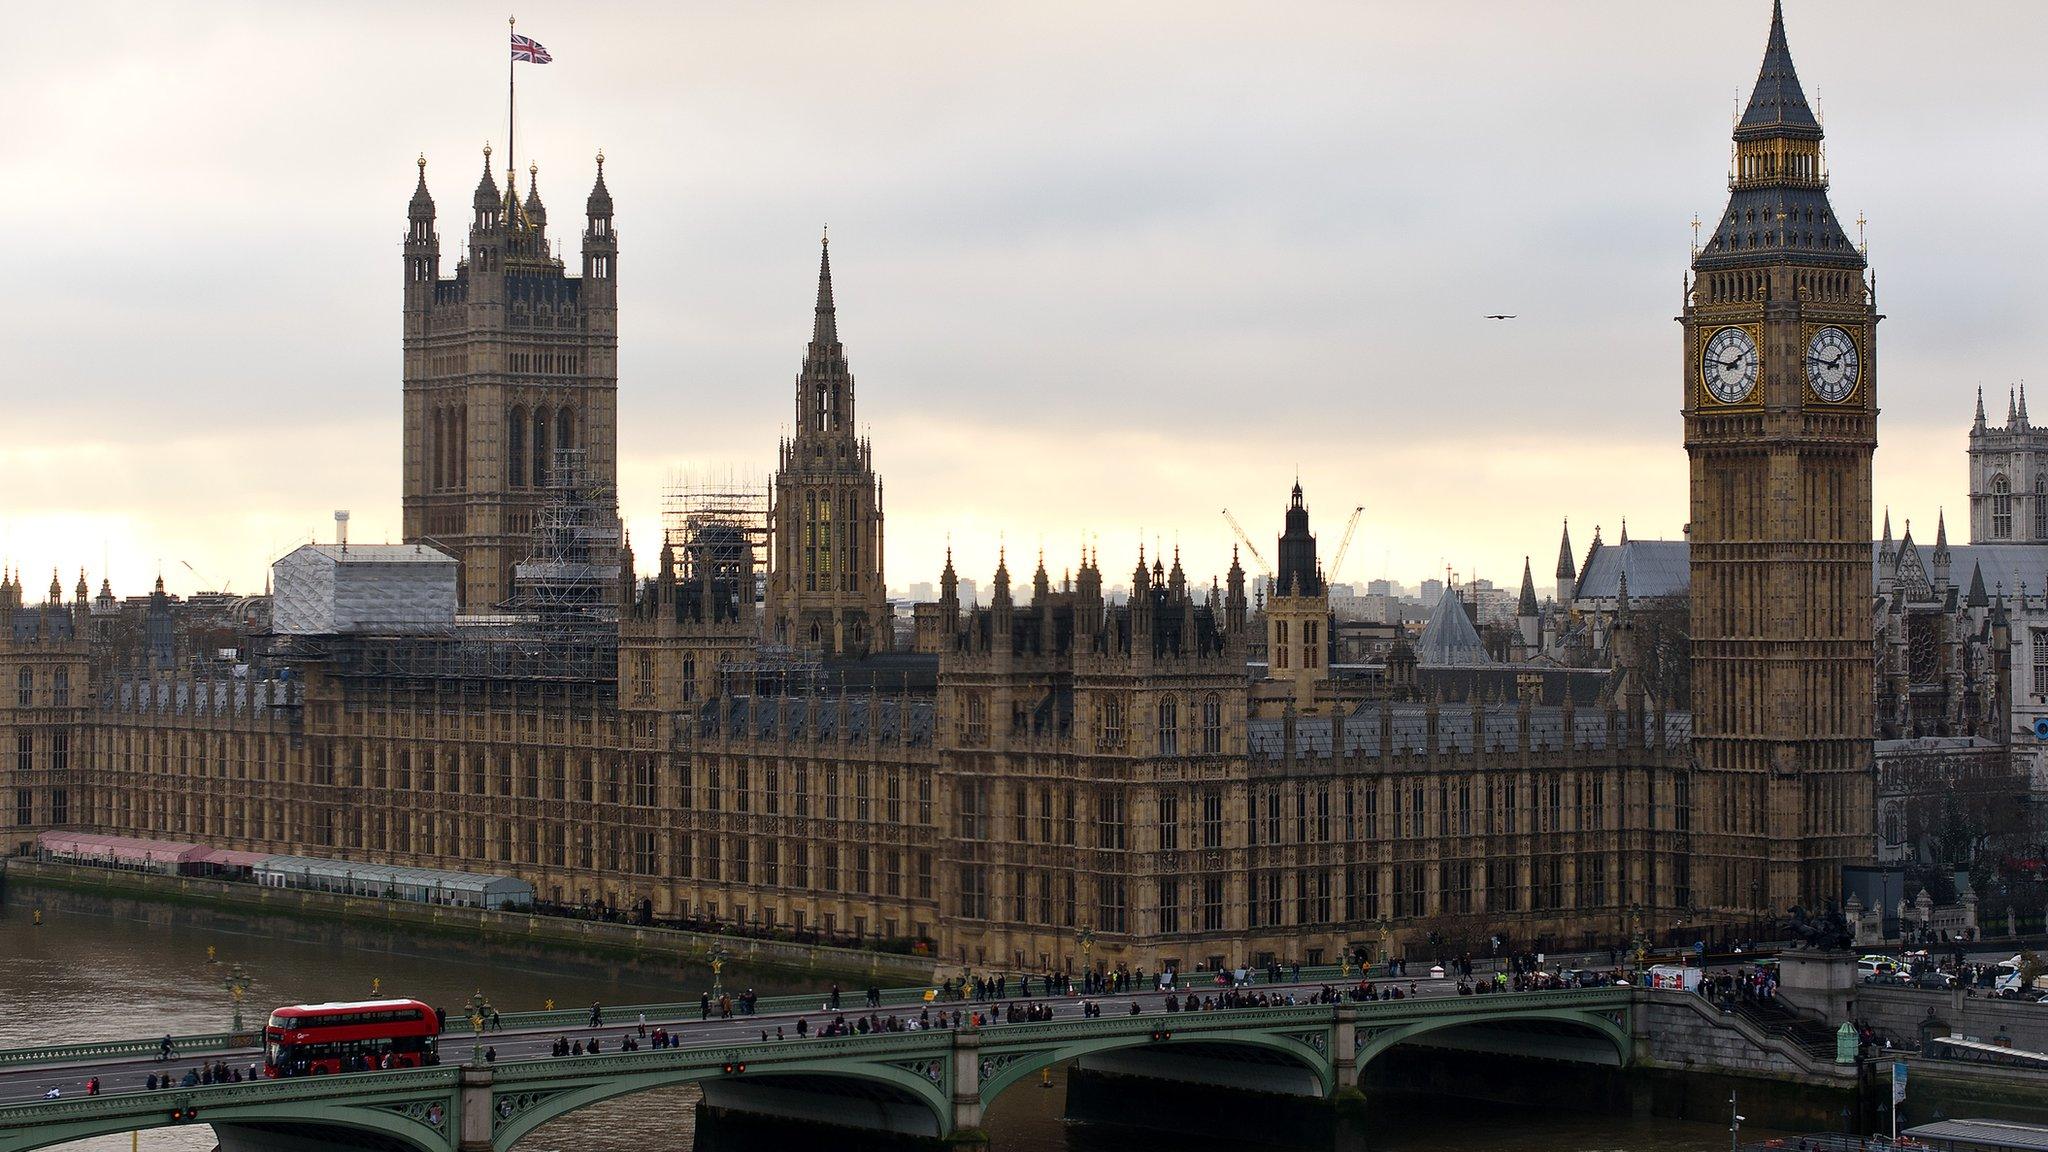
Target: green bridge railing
x: 852, y: 1000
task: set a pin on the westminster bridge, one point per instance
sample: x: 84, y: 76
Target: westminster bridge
x: 933, y: 1082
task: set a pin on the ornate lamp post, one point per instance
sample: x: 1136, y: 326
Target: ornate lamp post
x: 1636, y: 943
x: 1087, y: 939
x: 718, y: 958
x: 1386, y: 933
x: 476, y: 1030
x: 237, y: 983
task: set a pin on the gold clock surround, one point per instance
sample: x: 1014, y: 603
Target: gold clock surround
x: 1704, y: 397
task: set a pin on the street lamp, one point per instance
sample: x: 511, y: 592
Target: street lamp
x: 1386, y: 954
x: 718, y: 958
x: 1087, y: 950
x: 1636, y: 944
x: 1735, y: 1120
x: 237, y: 983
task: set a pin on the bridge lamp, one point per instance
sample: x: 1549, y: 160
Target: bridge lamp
x: 734, y: 1067
x: 184, y: 1115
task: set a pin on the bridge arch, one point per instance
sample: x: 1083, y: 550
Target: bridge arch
x: 1003, y: 1070
x: 385, y: 1128
x: 1607, y: 1031
x: 549, y: 1102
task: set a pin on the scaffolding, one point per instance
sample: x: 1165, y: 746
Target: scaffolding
x: 571, y: 580
x: 718, y: 516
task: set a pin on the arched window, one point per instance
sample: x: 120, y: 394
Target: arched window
x: 437, y: 451
x: 2001, y: 508
x: 565, y: 429
x: 540, y: 447
x: 1212, y: 725
x: 2041, y: 506
x: 1169, y: 727
x: 515, y: 447
x: 25, y: 685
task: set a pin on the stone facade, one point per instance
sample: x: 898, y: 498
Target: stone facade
x: 1780, y: 405
x: 1065, y: 782
x: 507, y: 364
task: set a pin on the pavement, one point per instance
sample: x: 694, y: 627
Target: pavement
x: 129, y: 1074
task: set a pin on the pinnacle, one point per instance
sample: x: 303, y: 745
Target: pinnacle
x: 1778, y: 103
x: 825, y: 327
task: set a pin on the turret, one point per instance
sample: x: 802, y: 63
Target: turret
x: 1567, y: 571
x: 1297, y: 573
x: 1887, y: 556
x: 1235, y: 614
x: 81, y: 606
x: 1002, y: 612
x: 600, y: 246
x: 1943, y: 559
x: 422, y: 245
x: 1528, y: 616
x: 949, y: 596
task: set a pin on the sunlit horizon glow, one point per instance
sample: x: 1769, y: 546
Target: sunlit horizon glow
x: 1100, y: 273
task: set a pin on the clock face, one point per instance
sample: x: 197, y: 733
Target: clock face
x: 1832, y: 364
x: 1729, y: 365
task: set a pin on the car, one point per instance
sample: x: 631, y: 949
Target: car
x: 1937, y: 980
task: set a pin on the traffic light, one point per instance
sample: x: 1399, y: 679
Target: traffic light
x: 184, y: 1115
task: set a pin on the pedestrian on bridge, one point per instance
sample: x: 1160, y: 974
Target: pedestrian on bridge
x: 596, y: 1015
x: 643, y: 1024
x: 704, y: 1006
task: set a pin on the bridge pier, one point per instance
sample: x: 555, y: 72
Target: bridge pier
x: 1343, y: 1043
x: 966, y: 1130
x: 473, y: 1109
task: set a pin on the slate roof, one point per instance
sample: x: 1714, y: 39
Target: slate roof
x: 1655, y: 568
x: 820, y: 717
x: 1663, y: 567
x: 1408, y: 731
x: 1777, y: 105
x: 1449, y: 637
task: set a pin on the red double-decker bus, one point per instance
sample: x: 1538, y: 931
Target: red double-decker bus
x: 303, y: 1039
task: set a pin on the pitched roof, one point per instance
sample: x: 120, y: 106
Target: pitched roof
x: 1655, y: 568
x: 1777, y: 106
x: 1449, y: 638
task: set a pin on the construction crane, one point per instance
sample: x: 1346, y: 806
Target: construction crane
x: 1344, y: 546
x: 1248, y: 545
x: 202, y: 579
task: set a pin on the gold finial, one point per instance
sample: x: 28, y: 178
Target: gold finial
x: 1695, y: 233
x: 532, y: 168
x: 600, y: 159
x: 423, y: 162
x: 512, y: 21
x: 826, y: 239
x: 1862, y: 245
x: 487, y: 151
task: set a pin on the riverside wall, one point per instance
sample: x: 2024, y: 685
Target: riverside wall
x: 26, y: 881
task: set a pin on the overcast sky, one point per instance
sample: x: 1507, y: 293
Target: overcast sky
x: 1102, y: 269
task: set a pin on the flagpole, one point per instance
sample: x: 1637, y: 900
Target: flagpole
x: 511, y: 96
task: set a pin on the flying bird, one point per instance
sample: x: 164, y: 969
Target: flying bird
x: 1501, y: 316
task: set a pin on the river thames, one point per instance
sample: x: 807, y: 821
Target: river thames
x: 136, y: 970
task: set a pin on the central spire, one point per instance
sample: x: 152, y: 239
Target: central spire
x: 1777, y: 106
x: 825, y: 328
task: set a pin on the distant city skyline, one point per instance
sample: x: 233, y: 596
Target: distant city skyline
x: 1100, y: 274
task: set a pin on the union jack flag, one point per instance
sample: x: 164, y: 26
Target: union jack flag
x: 528, y: 49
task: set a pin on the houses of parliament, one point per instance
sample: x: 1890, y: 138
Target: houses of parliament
x: 1186, y: 776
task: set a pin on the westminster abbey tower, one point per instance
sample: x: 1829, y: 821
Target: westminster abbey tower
x: 1780, y: 372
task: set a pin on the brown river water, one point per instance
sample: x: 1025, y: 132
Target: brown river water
x: 95, y: 971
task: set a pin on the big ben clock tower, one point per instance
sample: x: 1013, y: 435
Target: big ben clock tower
x: 1780, y: 371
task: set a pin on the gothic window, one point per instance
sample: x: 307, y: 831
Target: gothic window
x: 1169, y: 727
x: 515, y: 442
x: 2001, y: 508
x: 1169, y: 822
x: 565, y: 427
x: 2039, y: 639
x: 540, y: 447
x: 1212, y: 819
x: 1109, y: 723
x: 2041, y: 506
x: 1212, y: 725
x: 25, y: 688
